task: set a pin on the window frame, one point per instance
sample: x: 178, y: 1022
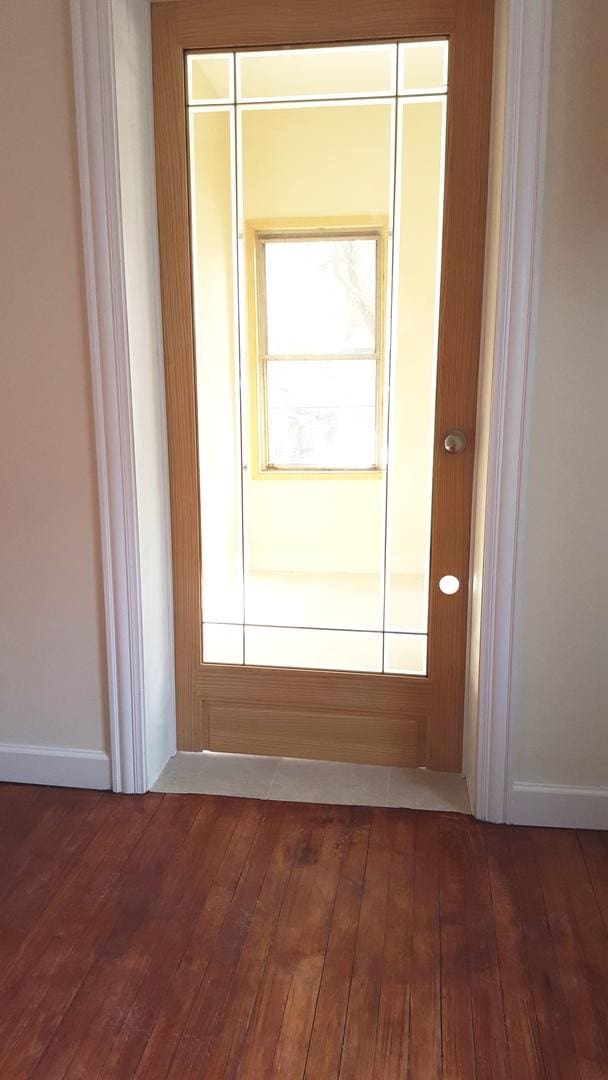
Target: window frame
x: 257, y: 234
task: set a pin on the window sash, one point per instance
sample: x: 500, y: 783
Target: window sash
x: 264, y: 236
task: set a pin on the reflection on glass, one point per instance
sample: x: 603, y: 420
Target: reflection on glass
x: 359, y: 70
x: 321, y: 413
x: 210, y: 78
x: 320, y: 296
x: 315, y: 503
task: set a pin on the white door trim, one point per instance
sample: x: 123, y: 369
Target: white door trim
x: 95, y: 74
x: 98, y: 160
x: 522, y: 185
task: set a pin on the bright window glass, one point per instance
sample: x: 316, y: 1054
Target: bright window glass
x: 320, y: 295
x: 321, y: 413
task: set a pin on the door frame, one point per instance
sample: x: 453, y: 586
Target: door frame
x: 106, y: 114
x: 253, y: 708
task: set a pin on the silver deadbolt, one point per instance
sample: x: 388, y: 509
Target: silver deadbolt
x: 454, y: 441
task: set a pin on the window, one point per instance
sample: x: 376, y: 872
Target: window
x: 319, y: 348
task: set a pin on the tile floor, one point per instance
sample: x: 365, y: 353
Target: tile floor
x: 296, y: 780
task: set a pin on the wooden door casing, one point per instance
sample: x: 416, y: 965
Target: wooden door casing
x: 388, y: 719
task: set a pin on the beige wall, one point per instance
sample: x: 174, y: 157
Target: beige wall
x: 560, y: 701
x: 560, y: 663
x: 52, y: 666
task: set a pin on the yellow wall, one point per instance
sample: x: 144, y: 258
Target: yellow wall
x: 52, y: 665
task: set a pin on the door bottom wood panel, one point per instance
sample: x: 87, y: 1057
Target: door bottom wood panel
x: 278, y: 732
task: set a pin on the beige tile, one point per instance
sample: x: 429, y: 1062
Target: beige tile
x: 218, y: 774
x: 421, y: 789
x: 330, y: 782
x: 296, y: 780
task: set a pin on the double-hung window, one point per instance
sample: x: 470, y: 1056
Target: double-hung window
x: 318, y: 302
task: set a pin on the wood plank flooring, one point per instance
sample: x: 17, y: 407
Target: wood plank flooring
x: 198, y: 936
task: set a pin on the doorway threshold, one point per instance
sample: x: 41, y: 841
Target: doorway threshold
x: 299, y: 780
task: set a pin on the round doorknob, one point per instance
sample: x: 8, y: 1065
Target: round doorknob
x: 454, y: 441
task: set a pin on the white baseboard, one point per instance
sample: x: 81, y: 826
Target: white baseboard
x: 557, y: 805
x: 59, y: 766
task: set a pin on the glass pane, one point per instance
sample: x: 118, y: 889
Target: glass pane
x: 320, y: 296
x: 320, y: 560
x: 423, y: 65
x: 405, y: 654
x: 210, y: 78
x: 314, y: 598
x: 222, y: 644
x: 321, y: 413
x: 214, y: 277
x: 415, y: 322
x: 314, y: 543
x: 363, y: 70
x: 332, y: 650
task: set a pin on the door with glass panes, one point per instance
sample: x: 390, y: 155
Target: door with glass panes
x: 321, y: 180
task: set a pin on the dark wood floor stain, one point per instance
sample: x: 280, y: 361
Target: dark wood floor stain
x: 205, y: 937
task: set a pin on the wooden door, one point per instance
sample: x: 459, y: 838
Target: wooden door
x: 255, y: 700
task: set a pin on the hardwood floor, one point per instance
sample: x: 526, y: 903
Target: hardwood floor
x: 201, y: 936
